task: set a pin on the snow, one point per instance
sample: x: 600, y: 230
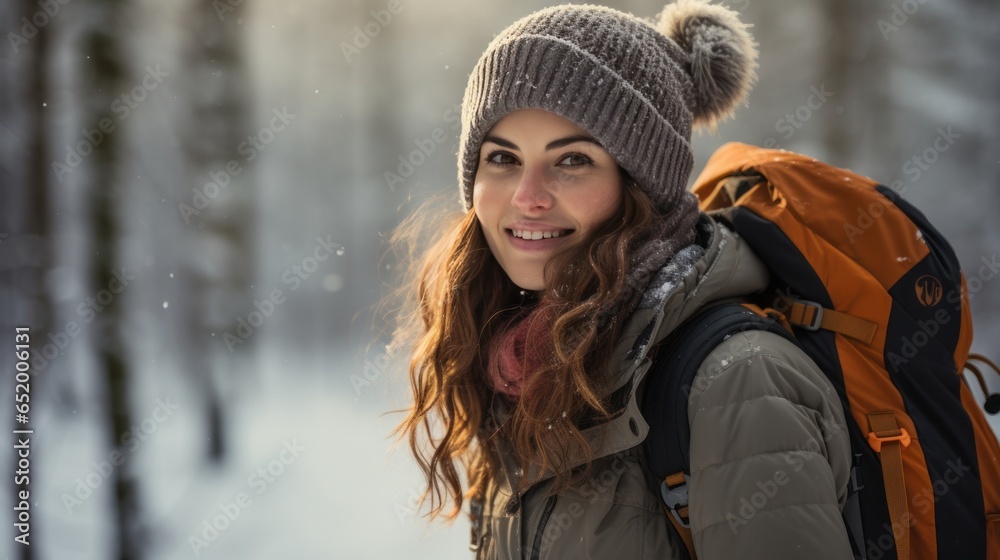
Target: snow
x: 343, y: 496
x: 665, y: 281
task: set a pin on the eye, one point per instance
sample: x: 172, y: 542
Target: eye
x: 501, y: 159
x: 575, y: 160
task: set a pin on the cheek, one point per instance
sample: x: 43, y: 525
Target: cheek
x: 480, y: 206
x: 483, y: 200
x: 486, y: 216
x: 606, y: 204
x: 488, y: 203
x: 477, y: 195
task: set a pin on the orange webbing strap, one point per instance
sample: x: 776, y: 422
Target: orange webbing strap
x: 992, y: 403
x: 679, y: 517
x: 888, y: 440
x: 684, y: 532
x: 813, y: 316
x: 985, y: 360
x: 769, y: 313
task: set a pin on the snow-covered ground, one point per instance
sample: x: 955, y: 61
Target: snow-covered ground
x: 309, y: 454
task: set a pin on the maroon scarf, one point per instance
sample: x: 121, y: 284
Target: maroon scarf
x: 519, y: 351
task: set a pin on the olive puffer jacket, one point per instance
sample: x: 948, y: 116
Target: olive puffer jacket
x: 770, y: 456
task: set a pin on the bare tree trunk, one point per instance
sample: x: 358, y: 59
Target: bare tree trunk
x: 841, y: 43
x: 37, y: 215
x: 103, y: 79
x: 375, y: 77
x: 220, y: 260
x: 874, y: 95
x: 33, y: 228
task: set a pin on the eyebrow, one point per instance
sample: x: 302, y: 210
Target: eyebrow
x: 551, y: 145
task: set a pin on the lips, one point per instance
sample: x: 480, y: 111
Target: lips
x: 537, y: 239
x: 536, y: 235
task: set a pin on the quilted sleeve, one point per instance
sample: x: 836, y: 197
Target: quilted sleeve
x: 770, y: 454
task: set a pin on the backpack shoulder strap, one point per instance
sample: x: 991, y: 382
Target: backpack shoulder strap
x: 665, y: 399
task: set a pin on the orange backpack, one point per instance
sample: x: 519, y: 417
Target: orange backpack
x: 874, y: 294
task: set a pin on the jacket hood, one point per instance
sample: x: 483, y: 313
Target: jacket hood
x: 718, y: 266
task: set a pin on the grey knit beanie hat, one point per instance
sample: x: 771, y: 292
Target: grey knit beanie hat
x: 637, y: 86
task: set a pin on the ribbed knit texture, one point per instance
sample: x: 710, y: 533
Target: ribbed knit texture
x: 611, y: 73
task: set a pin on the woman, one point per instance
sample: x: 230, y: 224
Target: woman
x: 535, y: 313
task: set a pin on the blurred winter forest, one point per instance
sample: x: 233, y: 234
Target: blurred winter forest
x: 194, y: 203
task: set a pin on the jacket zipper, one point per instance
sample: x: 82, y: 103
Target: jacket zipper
x: 536, y: 547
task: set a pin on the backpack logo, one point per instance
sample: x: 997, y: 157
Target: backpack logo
x: 929, y: 290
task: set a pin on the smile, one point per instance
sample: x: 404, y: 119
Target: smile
x: 534, y: 235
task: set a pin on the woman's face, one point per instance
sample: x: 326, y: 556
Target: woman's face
x: 542, y: 185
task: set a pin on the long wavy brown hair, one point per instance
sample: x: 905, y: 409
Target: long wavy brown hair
x: 457, y: 298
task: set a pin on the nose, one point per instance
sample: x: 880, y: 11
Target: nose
x: 533, y: 191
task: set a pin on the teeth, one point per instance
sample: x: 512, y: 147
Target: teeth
x: 533, y: 235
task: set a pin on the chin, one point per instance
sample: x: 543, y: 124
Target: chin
x: 527, y: 281
x: 529, y: 285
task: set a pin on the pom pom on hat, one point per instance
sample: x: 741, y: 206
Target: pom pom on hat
x: 723, y: 56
